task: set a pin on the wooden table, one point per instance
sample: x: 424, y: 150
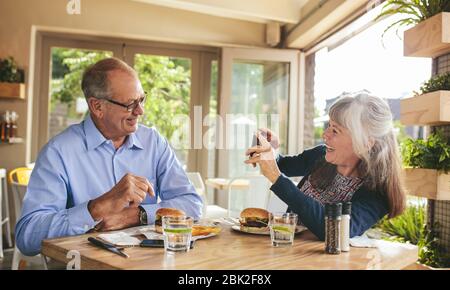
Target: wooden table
x: 234, y: 250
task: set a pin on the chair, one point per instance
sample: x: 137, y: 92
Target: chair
x: 4, y: 212
x: 18, y: 179
x: 208, y: 211
x: 256, y: 194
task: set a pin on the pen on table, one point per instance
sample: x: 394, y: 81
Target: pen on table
x: 107, y: 246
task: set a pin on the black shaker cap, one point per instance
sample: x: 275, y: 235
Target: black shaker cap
x: 347, y: 208
x: 333, y: 209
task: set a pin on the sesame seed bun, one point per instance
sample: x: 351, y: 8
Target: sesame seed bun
x: 166, y: 211
x: 252, y: 212
x: 254, y: 220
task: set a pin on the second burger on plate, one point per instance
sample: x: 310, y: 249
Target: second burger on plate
x: 254, y: 220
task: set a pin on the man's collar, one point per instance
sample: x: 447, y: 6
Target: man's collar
x: 95, y: 138
x: 133, y: 141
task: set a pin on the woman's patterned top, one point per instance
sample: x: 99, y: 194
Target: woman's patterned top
x: 341, y: 189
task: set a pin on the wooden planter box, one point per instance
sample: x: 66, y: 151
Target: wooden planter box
x: 12, y: 90
x: 419, y: 266
x: 428, y: 183
x: 428, y: 109
x: 430, y: 38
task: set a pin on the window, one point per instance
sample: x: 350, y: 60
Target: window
x: 368, y: 62
x: 260, y: 94
x: 167, y: 82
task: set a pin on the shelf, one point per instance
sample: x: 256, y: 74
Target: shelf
x: 430, y: 38
x: 12, y: 91
x: 16, y: 140
x: 428, y: 109
x: 428, y: 183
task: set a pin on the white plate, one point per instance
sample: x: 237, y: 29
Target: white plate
x: 298, y: 229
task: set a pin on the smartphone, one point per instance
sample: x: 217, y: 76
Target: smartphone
x: 256, y: 141
x: 157, y: 243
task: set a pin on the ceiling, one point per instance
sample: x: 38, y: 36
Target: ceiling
x: 260, y: 11
x: 305, y: 21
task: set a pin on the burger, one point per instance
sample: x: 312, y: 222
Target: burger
x: 254, y: 220
x: 166, y: 211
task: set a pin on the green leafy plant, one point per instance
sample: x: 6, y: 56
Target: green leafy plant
x: 410, y: 227
x: 433, y: 153
x: 406, y: 227
x: 430, y: 252
x: 437, y: 83
x: 414, y: 11
x: 9, y: 72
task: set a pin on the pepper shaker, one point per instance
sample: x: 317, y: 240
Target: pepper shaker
x: 332, y: 228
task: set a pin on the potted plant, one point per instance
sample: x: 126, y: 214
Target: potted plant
x: 11, y: 79
x: 429, y: 106
x: 427, y: 163
x: 430, y: 37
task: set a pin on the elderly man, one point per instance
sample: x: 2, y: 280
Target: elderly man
x: 105, y: 173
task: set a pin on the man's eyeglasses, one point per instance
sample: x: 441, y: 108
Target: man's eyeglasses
x: 130, y: 107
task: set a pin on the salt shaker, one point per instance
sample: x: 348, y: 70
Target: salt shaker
x: 333, y: 213
x: 345, y: 226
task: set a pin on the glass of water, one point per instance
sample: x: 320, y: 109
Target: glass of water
x: 177, y: 233
x: 282, y: 228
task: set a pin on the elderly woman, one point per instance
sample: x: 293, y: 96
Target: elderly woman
x: 359, y: 162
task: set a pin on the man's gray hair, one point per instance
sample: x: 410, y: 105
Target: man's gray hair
x: 95, y: 81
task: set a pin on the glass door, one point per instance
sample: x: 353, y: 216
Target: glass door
x: 67, y: 102
x: 60, y: 101
x: 178, y: 85
x: 259, y: 89
x: 180, y: 80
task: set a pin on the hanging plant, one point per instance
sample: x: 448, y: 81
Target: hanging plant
x: 413, y: 11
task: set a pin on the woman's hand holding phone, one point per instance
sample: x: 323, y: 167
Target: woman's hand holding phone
x: 263, y: 153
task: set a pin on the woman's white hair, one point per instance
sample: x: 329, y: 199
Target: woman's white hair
x: 369, y: 120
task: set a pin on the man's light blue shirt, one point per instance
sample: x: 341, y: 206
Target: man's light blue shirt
x: 80, y: 164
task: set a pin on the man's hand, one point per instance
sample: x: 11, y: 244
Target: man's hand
x: 129, y: 192
x: 128, y: 217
